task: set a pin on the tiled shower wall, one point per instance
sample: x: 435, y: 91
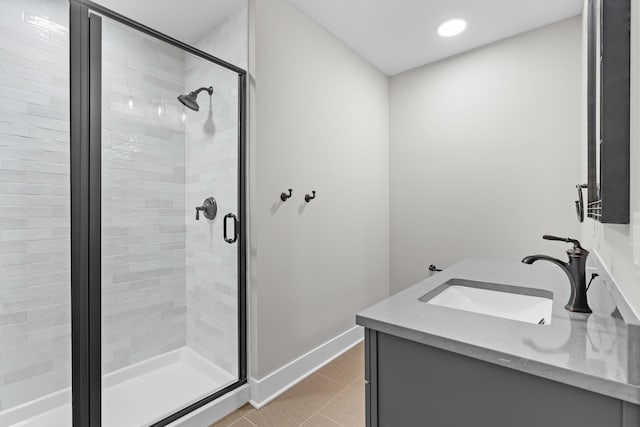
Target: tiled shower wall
x: 146, y: 288
x: 143, y: 197
x: 35, y: 349
x: 150, y: 306
x: 212, y: 170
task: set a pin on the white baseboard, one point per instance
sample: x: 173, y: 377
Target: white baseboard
x: 273, y: 385
x: 215, y: 410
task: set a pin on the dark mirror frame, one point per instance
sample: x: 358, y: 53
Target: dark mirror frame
x: 609, y: 182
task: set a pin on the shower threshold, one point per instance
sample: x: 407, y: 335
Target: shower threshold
x: 135, y: 396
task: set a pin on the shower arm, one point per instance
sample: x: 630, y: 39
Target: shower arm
x: 208, y: 89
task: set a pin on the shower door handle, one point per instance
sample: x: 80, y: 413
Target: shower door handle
x: 235, y: 228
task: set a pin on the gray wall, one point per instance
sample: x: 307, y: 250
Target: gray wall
x: 483, y: 152
x: 619, y: 245
x: 319, y: 122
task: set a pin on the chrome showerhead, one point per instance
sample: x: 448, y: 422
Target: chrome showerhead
x: 191, y: 100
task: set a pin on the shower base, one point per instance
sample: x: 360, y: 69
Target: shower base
x: 134, y: 396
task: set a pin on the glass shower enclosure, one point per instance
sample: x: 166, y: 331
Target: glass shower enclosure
x: 122, y: 251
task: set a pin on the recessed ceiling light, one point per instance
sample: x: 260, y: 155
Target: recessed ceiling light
x: 452, y: 27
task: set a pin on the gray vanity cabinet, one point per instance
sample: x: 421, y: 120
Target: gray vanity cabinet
x: 409, y: 384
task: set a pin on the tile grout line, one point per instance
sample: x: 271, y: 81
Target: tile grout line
x: 319, y: 411
x: 236, y: 421
x: 330, y: 400
x: 247, y: 420
x: 331, y: 419
x: 322, y: 415
x: 302, y: 423
x: 334, y: 398
x: 345, y: 388
x: 332, y: 380
x: 357, y: 379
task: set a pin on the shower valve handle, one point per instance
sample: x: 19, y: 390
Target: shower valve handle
x: 209, y: 208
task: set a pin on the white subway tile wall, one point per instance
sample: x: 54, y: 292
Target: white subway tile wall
x: 143, y: 198
x: 35, y: 342
x: 167, y: 280
x: 212, y: 170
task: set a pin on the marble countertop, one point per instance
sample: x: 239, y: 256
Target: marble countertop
x: 599, y: 352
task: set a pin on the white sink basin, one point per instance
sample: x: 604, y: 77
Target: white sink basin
x: 501, y: 301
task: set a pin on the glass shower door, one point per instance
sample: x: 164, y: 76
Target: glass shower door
x: 170, y: 202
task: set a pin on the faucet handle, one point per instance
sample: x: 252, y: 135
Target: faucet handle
x: 575, y: 242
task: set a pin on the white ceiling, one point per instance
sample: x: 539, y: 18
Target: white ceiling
x: 185, y: 20
x: 398, y: 35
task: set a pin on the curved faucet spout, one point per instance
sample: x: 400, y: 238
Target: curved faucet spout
x: 563, y: 265
x: 574, y: 269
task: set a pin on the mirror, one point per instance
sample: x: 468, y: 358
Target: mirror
x: 608, y: 111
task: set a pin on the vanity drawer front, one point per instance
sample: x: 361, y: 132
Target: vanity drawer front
x: 416, y: 385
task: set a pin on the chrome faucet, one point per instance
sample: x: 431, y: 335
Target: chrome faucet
x: 575, y: 270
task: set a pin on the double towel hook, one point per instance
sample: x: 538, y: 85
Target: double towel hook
x: 287, y: 195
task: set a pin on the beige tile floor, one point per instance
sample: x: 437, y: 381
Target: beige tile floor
x: 332, y: 396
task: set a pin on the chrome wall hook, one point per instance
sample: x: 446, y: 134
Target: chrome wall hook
x: 308, y: 198
x: 285, y: 196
